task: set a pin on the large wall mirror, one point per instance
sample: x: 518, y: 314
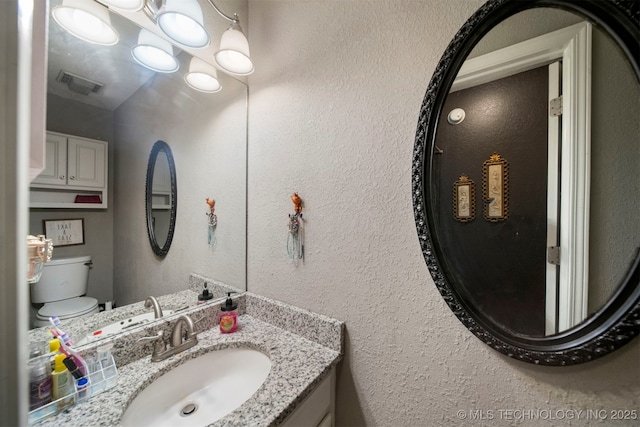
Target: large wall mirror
x: 101, y: 92
x: 527, y: 178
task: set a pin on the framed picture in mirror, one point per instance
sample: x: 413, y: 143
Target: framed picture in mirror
x: 64, y: 232
x: 495, y: 186
x: 464, y: 199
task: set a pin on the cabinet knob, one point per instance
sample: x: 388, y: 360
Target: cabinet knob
x: 72, y: 177
x: 61, y: 176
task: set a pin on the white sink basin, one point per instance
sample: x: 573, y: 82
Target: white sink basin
x: 200, y: 391
x: 117, y: 327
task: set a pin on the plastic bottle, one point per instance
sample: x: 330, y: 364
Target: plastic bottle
x: 54, y: 345
x: 40, y: 384
x: 228, y: 319
x: 82, y: 388
x: 61, y: 379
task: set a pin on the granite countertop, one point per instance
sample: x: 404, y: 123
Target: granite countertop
x: 303, y: 348
x: 78, y: 328
x: 298, y: 365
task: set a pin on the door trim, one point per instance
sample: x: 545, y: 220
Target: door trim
x: 572, y: 45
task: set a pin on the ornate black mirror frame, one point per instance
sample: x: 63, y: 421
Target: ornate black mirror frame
x: 616, y: 323
x: 160, y: 146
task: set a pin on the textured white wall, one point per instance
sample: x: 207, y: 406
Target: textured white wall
x: 333, y: 110
x: 207, y: 136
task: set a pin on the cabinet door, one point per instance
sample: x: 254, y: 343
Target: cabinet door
x: 55, y: 170
x: 86, y: 163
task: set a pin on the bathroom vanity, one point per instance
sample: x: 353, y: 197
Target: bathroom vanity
x: 303, y: 348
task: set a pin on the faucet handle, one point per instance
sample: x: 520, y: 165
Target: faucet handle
x: 158, y: 342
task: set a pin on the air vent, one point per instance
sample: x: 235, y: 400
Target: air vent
x: 79, y: 84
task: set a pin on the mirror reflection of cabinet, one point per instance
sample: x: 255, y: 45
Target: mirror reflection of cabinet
x: 161, y: 183
x: 161, y: 198
x: 75, y: 174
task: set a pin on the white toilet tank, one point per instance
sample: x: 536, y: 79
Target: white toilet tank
x: 61, y: 279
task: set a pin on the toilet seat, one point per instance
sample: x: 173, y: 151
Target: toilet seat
x: 68, y: 308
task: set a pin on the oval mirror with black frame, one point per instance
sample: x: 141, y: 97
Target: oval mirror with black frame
x: 535, y: 248
x: 161, y: 198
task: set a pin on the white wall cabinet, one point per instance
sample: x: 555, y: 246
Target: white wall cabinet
x: 75, y: 174
x: 318, y: 409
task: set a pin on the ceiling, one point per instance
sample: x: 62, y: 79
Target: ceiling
x: 113, y: 66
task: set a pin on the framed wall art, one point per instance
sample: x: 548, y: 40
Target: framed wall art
x: 464, y: 199
x: 64, y: 232
x: 495, y: 188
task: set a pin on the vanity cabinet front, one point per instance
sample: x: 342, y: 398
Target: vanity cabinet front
x: 318, y: 409
x: 75, y: 174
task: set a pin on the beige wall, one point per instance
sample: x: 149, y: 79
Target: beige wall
x: 333, y: 112
x: 615, y: 176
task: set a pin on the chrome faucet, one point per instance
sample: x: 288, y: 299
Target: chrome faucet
x: 182, y: 338
x: 153, y: 302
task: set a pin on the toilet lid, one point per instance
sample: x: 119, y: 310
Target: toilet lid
x: 71, y: 307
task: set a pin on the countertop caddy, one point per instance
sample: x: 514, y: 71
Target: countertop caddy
x: 304, y: 348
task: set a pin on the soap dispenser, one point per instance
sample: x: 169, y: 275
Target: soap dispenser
x: 228, y: 316
x: 205, y: 296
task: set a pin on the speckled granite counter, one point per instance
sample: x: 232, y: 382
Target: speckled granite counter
x: 79, y: 327
x: 303, y: 348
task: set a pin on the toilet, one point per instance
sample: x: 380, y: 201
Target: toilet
x: 61, y: 288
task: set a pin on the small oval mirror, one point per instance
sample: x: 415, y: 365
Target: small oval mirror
x: 161, y: 198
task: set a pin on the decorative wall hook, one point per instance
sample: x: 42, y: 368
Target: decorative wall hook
x: 295, y: 239
x: 213, y: 222
x: 297, y: 202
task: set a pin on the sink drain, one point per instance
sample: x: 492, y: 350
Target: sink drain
x: 188, y: 409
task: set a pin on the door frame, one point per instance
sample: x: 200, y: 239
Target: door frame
x: 571, y: 45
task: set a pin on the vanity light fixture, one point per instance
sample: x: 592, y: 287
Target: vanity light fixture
x: 128, y: 5
x: 88, y: 21
x: 202, y: 76
x: 155, y: 53
x: 233, y: 55
x: 180, y: 20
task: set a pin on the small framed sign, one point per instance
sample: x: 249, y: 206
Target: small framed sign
x: 64, y: 232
